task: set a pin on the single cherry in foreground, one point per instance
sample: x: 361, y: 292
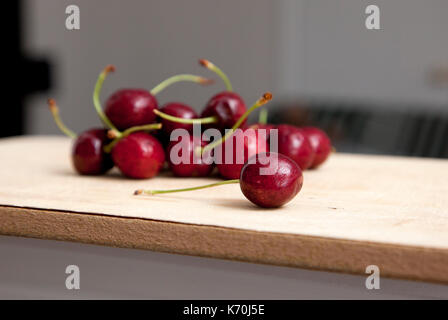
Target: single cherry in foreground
x: 88, y: 156
x: 321, y: 145
x: 189, y: 164
x: 138, y: 155
x: 294, y: 143
x: 268, y: 180
x: 281, y: 182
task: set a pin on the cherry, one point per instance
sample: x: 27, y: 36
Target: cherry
x: 321, y: 145
x: 138, y: 155
x: 227, y: 107
x: 274, y: 189
x: 294, y: 143
x: 197, y: 166
x: 221, y: 112
x: 180, y: 110
x: 281, y: 181
x: 133, y: 107
x: 251, y: 145
x: 88, y: 156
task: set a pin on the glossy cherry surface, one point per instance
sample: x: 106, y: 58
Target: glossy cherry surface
x: 131, y: 107
x: 139, y: 155
x: 88, y: 156
x: 282, y: 183
x: 195, y: 165
x: 321, y: 144
x: 294, y: 143
x: 244, y: 144
x: 227, y: 107
x: 178, y: 110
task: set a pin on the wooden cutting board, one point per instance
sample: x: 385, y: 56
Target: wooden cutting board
x: 354, y: 211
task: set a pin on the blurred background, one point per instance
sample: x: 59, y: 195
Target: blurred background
x: 373, y: 91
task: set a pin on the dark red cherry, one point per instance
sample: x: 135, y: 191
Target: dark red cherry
x: 189, y: 164
x: 264, y: 126
x: 279, y: 184
x: 179, y: 110
x: 246, y: 143
x: 227, y: 107
x: 131, y: 107
x: 269, y: 180
x: 88, y: 156
x: 139, y: 155
x: 321, y: 145
x: 294, y: 143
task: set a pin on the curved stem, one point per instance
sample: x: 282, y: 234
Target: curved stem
x: 263, y: 116
x: 218, y: 71
x: 152, y: 192
x: 177, y: 78
x: 263, y: 100
x: 55, y: 113
x: 96, y: 97
x: 168, y: 117
x: 153, y: 126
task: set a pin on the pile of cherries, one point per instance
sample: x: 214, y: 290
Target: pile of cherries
x: 138, y: 136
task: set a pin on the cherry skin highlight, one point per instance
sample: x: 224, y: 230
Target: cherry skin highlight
x: 321, y: 145
x: 139, y: 155
x: 274, y: 189
x: 131, y: 107
x: 246, y: 143
x: 227, y: 107
x: 294, y: 143
x: 196, y: 166
x: 178, y: 110
x: 88, y: 156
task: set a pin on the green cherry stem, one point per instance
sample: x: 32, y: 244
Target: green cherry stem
x: 177, y: 78
x: 57, y: 119
x: 152, y: 192
x: 168, y: 117
x: 263, y: 100
x: 218, y: 71
x: 96, y: 98
x: 108, y: 148
x: 263, y: 116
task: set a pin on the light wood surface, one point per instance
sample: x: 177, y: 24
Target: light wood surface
x: 353, y: 212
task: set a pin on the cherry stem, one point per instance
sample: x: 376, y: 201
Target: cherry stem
x: 218, y: 71
x: 96, y: 98
x: 177, y: 78
x: 152, y: 192
x: 263, y: 100
x: 55, y: 113
x: 165, y: 116
x: 108, y: 148
x: 263, y: 116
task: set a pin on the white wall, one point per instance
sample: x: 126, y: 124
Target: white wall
x: 292, y: 47
x: 147, y: 41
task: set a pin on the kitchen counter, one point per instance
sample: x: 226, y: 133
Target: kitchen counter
x: 354, y: 211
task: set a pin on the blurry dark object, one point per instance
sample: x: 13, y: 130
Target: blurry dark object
x: 374, y: 129
x: 23, y: 74
x: 438, y: 76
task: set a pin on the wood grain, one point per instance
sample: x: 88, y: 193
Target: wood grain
x: 353, y: 212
